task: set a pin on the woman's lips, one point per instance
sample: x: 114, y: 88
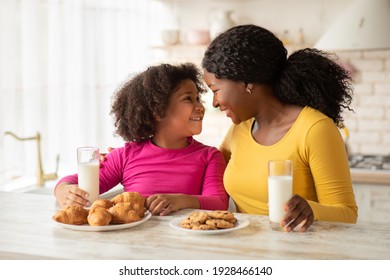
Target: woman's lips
x: 196, y: 119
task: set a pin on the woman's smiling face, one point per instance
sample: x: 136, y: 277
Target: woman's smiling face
x: 230, y: 96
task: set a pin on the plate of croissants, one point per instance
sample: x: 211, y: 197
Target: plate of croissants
x: 125, y: 210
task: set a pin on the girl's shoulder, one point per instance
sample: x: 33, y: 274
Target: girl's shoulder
x: 206, y: 149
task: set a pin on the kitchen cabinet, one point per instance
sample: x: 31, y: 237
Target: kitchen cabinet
x: 373, y: 201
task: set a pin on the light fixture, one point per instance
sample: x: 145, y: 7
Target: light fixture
x: 365, y: 25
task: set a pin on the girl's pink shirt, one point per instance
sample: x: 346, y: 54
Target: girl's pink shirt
x: 148, y: 169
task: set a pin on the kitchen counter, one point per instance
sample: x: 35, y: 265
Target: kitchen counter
x: 370, y: 176
x: 28, y: 232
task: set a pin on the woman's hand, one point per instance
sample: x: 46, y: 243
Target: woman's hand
x: 68, y: 194
x: 163, y: 204
x: 298, y: 212
x: 103, y: 155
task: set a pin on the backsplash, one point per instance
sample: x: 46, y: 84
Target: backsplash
x: 369, y: 125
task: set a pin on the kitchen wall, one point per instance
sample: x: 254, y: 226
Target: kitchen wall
x: 369, y: 125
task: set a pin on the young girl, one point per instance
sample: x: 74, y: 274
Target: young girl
x: 157, y: 112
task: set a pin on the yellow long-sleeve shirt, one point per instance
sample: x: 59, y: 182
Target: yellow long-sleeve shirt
x: 321, y: 171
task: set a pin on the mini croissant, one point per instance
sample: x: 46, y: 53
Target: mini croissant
x: 133, y: 197
x: 123, y: 213
x: 100, y: 217
x: 100, y: 203
x: 73, y: 215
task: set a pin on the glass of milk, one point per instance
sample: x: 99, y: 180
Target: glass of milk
x: 279, y: 189
x: 88, y: 171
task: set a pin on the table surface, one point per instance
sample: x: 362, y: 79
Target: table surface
x: 27, y: 231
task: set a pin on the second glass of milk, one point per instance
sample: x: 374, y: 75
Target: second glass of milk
x: 280, y: 175
x: 88, y: 171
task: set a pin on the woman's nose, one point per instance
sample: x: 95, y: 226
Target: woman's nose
x: 215, y: 102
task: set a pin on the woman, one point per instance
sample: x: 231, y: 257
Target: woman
x: 157, y: 112
x: 282, y: 108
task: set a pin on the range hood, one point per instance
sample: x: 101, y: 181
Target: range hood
x: 364, y: 25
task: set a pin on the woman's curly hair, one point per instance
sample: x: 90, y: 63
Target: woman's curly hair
x: 146, y: 96
x: 308, y: 77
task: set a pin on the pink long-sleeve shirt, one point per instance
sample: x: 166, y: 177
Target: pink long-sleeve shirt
x: 148, y: 169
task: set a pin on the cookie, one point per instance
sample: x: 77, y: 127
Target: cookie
x: 219, y: 223
x: 198, y: 217
x: 204, y: 227
x: 201, y: 220
x: 188, y: 224
x: 219, y: 214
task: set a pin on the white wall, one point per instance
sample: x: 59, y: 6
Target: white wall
x: 313, y: 16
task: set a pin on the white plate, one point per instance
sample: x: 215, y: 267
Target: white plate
x: 87, y: 227
x: 175, y: 223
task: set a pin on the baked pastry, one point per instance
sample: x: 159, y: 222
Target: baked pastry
x: 211, y: 220
x: 73, y: 215
x: 123, y: 213
x: 100, y: 203
x: 99, y: 217
x: 133, y: 197
x: 219, y: 223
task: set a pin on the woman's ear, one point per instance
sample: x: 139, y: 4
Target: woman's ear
x: 249, y: 88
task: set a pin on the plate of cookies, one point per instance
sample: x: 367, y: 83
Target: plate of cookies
x: 209, y: 222
x: 124, y: 211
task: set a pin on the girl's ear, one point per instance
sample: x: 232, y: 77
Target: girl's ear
x: 157, y: 117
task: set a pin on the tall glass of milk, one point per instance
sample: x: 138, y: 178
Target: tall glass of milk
x: 88, y: 171
x: 280, y: 174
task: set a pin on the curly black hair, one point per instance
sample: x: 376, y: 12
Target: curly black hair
x: 146, y: 96
x: 308, y: 77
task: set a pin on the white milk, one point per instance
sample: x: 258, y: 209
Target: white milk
x: 88, y: 174
x: 279, y: 192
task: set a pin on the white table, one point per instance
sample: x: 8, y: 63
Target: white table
x: 27, y: 231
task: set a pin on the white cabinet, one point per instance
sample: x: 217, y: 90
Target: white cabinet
x: 373, y: 201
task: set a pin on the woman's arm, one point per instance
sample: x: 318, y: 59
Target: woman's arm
x: 330, y: 170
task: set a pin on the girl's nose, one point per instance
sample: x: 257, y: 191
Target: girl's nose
x: 200, y: 107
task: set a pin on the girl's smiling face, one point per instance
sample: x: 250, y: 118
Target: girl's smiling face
x: 185, y: 112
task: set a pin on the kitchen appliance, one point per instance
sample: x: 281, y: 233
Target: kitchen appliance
x: 370, y: 162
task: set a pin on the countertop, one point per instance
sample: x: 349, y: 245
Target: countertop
x: 370, y: 176
x: 28, y: 232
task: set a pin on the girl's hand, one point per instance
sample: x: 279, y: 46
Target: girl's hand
x: 68, y: 194
x: 163, y: 204
x: 298, y: 212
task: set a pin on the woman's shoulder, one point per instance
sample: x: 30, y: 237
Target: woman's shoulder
x: 310, y: 116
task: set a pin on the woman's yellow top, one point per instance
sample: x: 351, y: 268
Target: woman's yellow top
x: 320, y: 163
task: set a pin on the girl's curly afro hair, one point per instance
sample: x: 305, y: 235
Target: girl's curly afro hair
x: 145, y: 96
